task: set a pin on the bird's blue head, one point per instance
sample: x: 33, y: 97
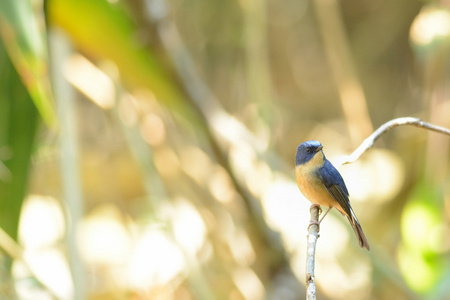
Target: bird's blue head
x: 306, y: 151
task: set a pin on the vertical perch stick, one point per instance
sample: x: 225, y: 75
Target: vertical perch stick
x: 313, y: 235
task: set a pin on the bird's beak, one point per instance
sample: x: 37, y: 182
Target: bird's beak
x: 319, y: 148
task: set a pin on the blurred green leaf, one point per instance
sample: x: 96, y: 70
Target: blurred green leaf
x: 418, y: 220
x: 18, y: 123
x: 419, y: 258
x: 23, y: 39
x: 420, y: 273
x: 105, y: 31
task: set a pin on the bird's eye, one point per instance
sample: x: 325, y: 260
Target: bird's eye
x: 308, y: 150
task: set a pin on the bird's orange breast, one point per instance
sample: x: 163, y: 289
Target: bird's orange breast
x: 310, y: 183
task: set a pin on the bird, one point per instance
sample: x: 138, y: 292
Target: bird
x: 322, y: 184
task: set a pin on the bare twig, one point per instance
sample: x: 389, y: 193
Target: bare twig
x: 313, y: 231
x: 369, y: 142
x: 313, y: 235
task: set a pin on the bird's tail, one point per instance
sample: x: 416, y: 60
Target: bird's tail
x: 358, y: 231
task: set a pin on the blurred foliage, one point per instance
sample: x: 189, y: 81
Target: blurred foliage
x: 19, y: 122
x: 114, y: 33
x: 23, y: 36
x: 424, y: 240
x: 181, y: 120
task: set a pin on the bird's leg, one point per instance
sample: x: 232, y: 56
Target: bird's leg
x: 320, y: 211
x: 329, y: 208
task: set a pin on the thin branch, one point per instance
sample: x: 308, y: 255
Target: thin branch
x: 313, y: 231
x: 313, y: 235
x: 369, y: 142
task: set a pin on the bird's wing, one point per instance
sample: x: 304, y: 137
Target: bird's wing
x: 335, y: 186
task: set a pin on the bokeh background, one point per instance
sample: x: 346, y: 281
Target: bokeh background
x: 147, y: 147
